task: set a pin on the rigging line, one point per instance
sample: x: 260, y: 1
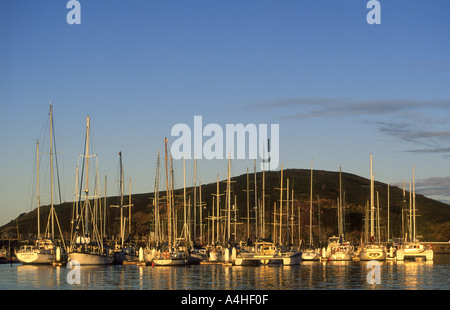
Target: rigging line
x: 81, y: 184
x: 56, y: 162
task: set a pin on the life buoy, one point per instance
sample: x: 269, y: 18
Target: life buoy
x: 166, y: 255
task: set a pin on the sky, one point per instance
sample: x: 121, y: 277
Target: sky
x: 339, y: 88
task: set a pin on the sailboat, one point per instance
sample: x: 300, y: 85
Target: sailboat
x: 44, y: 250
x: 413, y: 248
x: 373, y: 250
x: 177, y: 254
x: 124, y: 252
x: 338, y: 249
x: 310, y: 254
x: 87, y: 246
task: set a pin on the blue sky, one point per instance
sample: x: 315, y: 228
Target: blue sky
x: 338, y: 87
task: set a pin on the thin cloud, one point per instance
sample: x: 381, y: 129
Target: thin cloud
x: 437, y: 188
x: 339, y: 107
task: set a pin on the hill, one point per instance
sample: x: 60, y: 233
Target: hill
x: 433, y: 220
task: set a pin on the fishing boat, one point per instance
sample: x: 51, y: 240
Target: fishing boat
x: 372, y: 250
x: 87, y: 246
x: 44, y: 250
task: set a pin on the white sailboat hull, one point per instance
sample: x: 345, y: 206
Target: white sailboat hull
x: 35, y: 258
x: 311, y: 256
x: 90, y: 259
x: 290, y: 259
x: 170, y: 261
x: 372, y: 254
x: 340, y: 257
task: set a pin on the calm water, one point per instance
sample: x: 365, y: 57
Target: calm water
x: 407, y: 275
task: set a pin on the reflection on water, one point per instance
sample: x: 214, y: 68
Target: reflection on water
x: 307, y: 275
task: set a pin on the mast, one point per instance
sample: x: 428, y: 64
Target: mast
x: 340, y: 226
x: 51, y: 170
x: 311, y: 206
x: 372, y: 202
x: 104, y: 213
x: 388, y: 215
x: 229, y: 200
x: 156, y: 203
x: 172, y: 199
x: 168, y: 194
x: 121, y: 198
x: 410, y: 212
x: 287, y: 211
x: 403, y: 211
x: 414, y: 205
x: 378, y: 219
x: 86, y: 191
x: 195, y: 198
x: 256, y: 203
x: 281, y: 203
x: 248, y: 205
x: 201, y: 213
x: 184, y: 199
x: 129, y: 209
x: 263, y: 203
x: 292, y: 215
x: 38, y: 197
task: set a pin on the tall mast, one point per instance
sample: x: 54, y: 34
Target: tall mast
x: 372, y: 202
x: 218, y: 210
x: 86, y: 191
x: 129, y: 209
x: 51, y: 169
x: 229, y: 200
x: 311, y: 206
x: 184, y: 199
x: 104, y: 212
x: 248, y: 205
x: 410, y: 212
x: 168, y: 194
x: 172, y: 200
x: 156, y: 204
x: 388, y: 215
x: 38, y: 197
x: 121, y: 198
x: 287, y: 211
x: 414, y: 205
x: 195, y: 198
x: 292, y: 215
x: 340, y: 226
x: 201, y: 214
x: 281, y: 204
x: 403, y: 211
x: 256, y: 203
x: 263, y: 211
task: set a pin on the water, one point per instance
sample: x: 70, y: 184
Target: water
x: 408, y: 275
